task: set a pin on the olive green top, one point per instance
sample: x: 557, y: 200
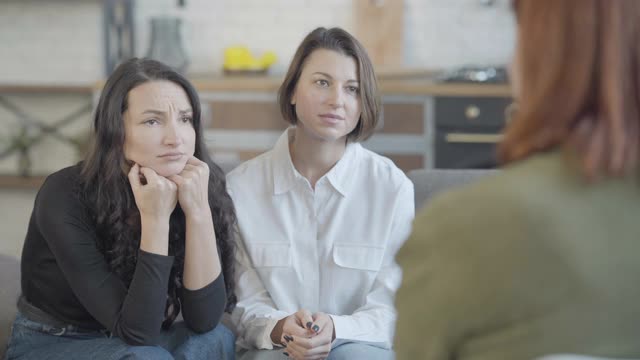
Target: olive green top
x: 531, y: 261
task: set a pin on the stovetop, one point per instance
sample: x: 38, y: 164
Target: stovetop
x: 475, y: 74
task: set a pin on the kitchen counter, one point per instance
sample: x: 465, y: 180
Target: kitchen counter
x: 395, y: 86
x: 391, y: 83
x: 429, y: 88
x: 243, y: 120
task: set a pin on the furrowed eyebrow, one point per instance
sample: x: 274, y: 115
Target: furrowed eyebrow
x: 155, y: 112
x: 158, y: 112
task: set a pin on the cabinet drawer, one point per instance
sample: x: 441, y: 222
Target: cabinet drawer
x: 471, y: 111
x: 245, y: 115
x: 477, y: 151
x: 398, y: 118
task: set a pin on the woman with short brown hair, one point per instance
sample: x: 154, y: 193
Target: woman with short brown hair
x: 321, y: 217
x: 342, y: 42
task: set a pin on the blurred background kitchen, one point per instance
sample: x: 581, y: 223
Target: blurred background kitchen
x: 441, y: 66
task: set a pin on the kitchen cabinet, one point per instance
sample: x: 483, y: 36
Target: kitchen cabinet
x: 423, y: 123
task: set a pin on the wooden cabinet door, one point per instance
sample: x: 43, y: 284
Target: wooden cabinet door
x: 379, y: 26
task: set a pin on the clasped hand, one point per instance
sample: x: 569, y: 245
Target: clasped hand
x: 306, y: 336
x: 157, y: 196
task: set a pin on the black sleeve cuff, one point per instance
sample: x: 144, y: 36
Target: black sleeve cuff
x: 202, y: 309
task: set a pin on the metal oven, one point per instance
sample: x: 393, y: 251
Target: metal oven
x: 467, y: 130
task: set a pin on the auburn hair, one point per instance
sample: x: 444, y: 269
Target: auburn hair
x: 578, y: 68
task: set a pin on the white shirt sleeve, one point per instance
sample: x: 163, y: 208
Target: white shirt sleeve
x: 375, y: 320
x: 255, y: 314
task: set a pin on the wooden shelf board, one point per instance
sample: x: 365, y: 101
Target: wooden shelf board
x: 21, y: 182
x: 45, y: 88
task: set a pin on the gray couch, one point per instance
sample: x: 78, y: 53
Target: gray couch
x: 427, y: 183
x: 10, y: 280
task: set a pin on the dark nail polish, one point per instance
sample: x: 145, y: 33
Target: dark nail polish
x: 316, y: 328
x: 309, y: 325
x: 286, y: 354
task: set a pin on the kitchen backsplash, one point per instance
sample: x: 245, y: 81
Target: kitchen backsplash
x: 61, y: 40
x: 452, y: 33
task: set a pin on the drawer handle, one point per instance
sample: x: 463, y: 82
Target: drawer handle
x: 472, y: 112
x: 473, y: 138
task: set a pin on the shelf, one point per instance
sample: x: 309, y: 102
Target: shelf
x: 389, y: 86
x: 409, y: 83
x: 418, y: 87
x: 45, y: 88
x: 20, y: 182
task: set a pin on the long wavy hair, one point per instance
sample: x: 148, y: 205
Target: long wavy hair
x: 107, y: 192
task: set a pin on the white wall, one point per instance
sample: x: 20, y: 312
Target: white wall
x: 60, y: 42
x: 50, y: 41
x: 277, y: 25
x: 452, y: 33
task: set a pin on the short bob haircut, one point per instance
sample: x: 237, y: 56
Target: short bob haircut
x: 338, y: 40
x: 579, y: 69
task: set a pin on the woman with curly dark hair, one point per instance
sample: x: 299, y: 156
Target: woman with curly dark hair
x: 119, y: 244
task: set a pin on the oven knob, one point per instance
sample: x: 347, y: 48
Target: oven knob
x: 472, y: 112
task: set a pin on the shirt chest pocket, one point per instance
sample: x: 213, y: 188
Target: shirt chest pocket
x: 358, y: 256
x: 270, y: 254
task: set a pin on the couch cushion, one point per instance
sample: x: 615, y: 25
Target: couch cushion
x: 575, y: 357
x: 9, y: 291
x: 428, y: 182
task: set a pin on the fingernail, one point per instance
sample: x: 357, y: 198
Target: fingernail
x: 283, y: 344
x: 316, y: 328
x: 286, y: 354
x: 309, y: 325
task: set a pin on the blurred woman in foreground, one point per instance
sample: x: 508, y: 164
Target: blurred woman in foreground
x: 542, y: 258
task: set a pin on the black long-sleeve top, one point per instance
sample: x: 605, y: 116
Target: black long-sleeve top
x: 65, y: 275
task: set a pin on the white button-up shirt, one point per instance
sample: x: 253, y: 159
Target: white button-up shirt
x: 330, y: 250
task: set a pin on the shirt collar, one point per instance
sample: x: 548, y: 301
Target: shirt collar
x: 341, y: 175
x: 285, y: 174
